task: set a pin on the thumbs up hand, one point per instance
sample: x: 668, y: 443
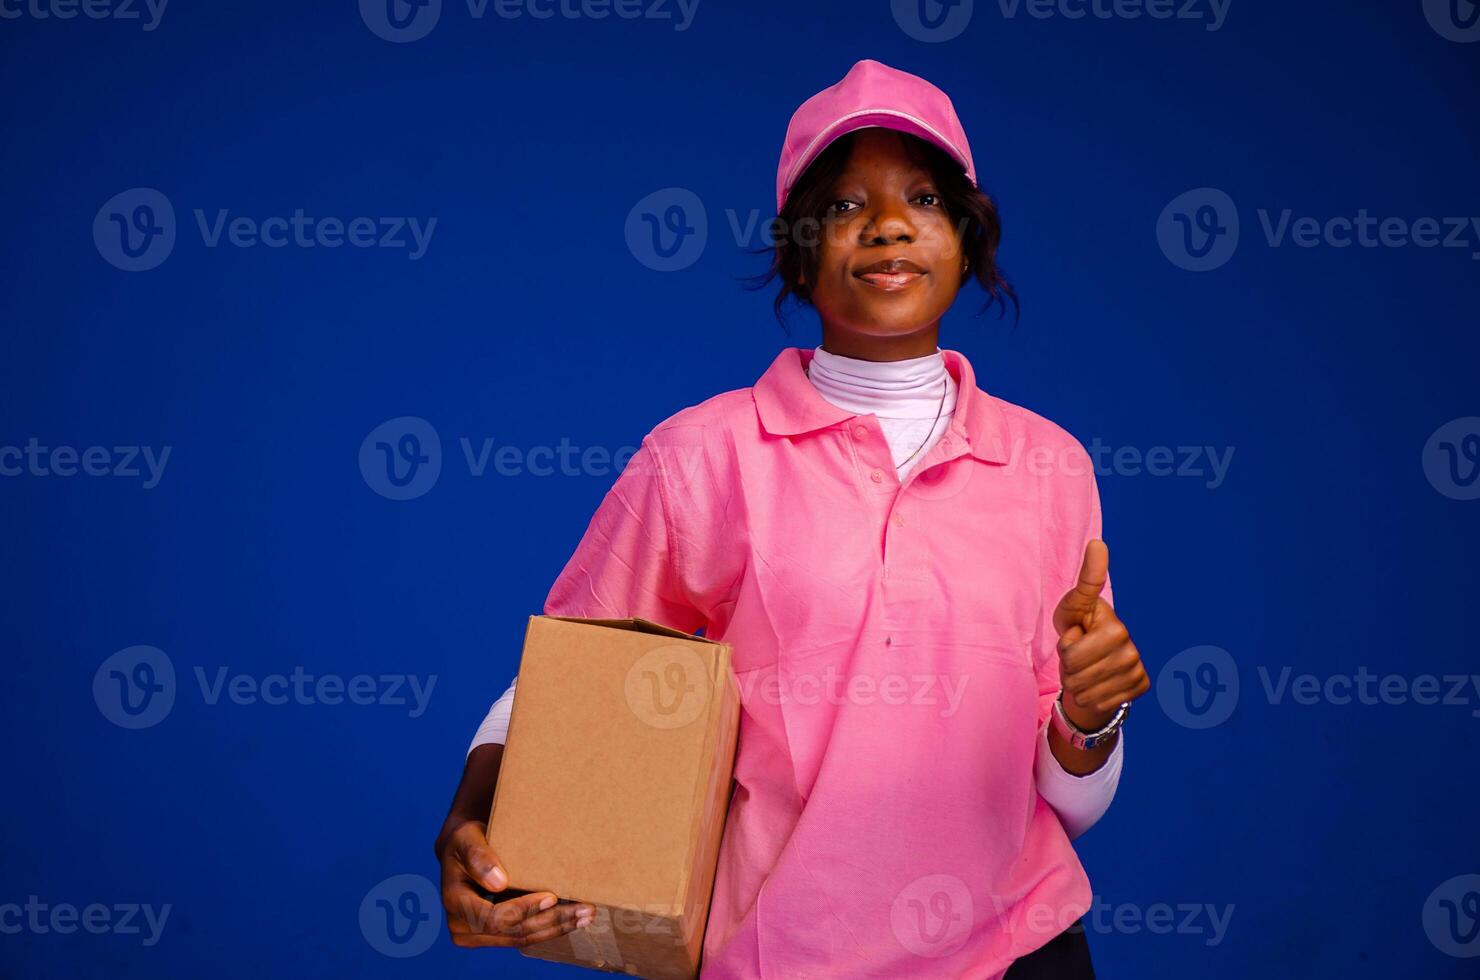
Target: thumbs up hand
x: 1099, y: 666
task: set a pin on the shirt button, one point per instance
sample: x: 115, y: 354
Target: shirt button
x: 877, y: 476
x: 899, y: 520
x: 860, y: 431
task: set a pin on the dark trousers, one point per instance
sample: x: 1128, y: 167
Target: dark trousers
x: 1065, y: 957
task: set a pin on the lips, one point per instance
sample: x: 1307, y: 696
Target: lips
x: 891, y: 274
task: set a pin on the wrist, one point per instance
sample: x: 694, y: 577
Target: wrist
x: 1091, y: 734
x: 1086, y: 719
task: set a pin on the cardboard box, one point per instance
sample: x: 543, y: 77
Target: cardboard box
x: 614, y: 786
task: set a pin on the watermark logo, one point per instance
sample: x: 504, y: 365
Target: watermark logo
x: 1454, y: 20
x: 135, y: 229
x: 1366, y: 688
x: 1213, y: 14
x: 1451, y: 917
x: 932, y: 916
x: 401, y: 459
x: 668, y: 687
x: 932, y: 21
x: 1202, y: 919
x: 148, y: 12
x: 135, y: 687
x: 1198, y: 688
x: 63, y: 918
x: 1451, y: 459
x: 945, y: 692
x: 130, y: 462
x: 402, y: 916
x: 667, y: 230
x: 400, y: 21
x: 1198, y: 231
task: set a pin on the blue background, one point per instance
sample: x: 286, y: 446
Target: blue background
x: 1326, y: 827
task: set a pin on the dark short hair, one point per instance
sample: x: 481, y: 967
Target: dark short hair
x: 970, y: 209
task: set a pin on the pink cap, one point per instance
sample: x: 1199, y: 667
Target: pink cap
x: 871, y: 94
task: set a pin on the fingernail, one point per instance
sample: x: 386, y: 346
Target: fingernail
x: 586, y: 911
x: 498, y: 879
x: 547, y: 902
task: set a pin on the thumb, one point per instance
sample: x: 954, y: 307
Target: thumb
x: 1078, y: 604
x: 481, y: 863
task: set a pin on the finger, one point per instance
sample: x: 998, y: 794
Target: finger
x: 467, y: 910
x: 1120, y: 662
x: 557, y: 916
x: 1109, y: 694
x: 1093, y: 647
x: 542, y: 935
x: 1070, y: 637
x: 1079, y: 602
x: 511, y: 916
x: 473, y: 853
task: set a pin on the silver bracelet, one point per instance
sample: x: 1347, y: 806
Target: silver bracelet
x: 1080, y: 738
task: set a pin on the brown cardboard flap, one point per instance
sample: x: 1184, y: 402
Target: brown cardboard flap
x: 635, y: 623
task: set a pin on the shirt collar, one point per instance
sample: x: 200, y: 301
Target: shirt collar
x: 788, y: 404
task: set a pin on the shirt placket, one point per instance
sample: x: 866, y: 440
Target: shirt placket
x: 906, y: 581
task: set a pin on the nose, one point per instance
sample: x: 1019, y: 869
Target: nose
x: 890, y: 222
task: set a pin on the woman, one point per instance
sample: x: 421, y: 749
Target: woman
x: 910, y: 574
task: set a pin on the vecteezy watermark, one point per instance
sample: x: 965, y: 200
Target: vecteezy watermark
x: 96, y: 918
x: 830, y: 686
x: 1367, y: 688
x: 1451, y: 459
x: 667, y: 687
x: 135, y: 230
x: 147, y: 12
x: 1207, y: 463
x: 1454, y: 20
x: 402, y: 21
x: 1212, y: 14
x: 1198, y: 230
x: 934, y: 915
x: 667, y: 230
x: 401, y: 916
x: 136, y: 688
x: 1202, y: 919
x: 932, y: 21
x: 1199, y: 688
x: 35, y: 459
x: 402, y: 458
x: 1451, y: 917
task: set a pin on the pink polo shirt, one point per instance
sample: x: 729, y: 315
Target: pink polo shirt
x: 896, y: 658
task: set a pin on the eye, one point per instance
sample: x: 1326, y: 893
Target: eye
x: 836, y: 207
x: 931, y: 200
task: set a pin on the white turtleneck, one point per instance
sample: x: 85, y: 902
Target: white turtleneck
x: 913, y: 400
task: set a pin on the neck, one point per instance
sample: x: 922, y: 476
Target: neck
x: 865, y: 347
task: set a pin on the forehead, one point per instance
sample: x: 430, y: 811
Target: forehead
x: 883, y: 151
